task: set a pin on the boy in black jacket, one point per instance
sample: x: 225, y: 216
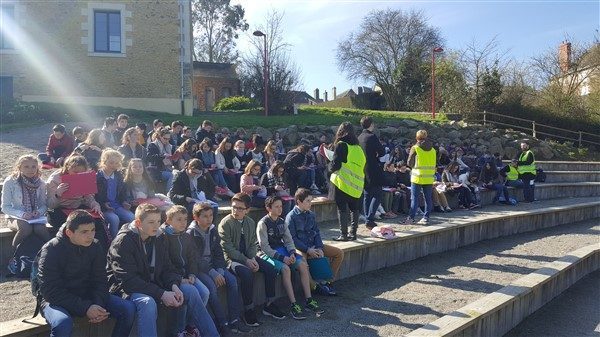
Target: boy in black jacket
x: 72, y: 280
x: 213, y: 270
x: 139, y: 268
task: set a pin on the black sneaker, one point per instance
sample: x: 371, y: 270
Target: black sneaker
x: 313, y: 306
x: 296, y: 312
x: 273, y: 311
x: 250, y: 318
x: 238, y: 327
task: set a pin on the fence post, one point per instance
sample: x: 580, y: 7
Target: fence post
x: 484, y: 117
x: 533, y: 128
x: 580, y: 138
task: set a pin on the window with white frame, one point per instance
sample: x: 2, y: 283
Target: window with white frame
x: 7, y: 18
x: 107, y: 31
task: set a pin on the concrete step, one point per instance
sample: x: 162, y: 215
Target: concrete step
x: 572, y: 176
x: 575, y: 312
x: 568, y: 165
x: 498, y: 312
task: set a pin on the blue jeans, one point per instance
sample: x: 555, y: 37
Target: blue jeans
x: 415, y: 190
x: 218, y: 177
x: 167, y: 177
x: 233, y: 298
x: 371, y: 201
x: 147, y: 313
x: 194, y: 312
x: 515, y: 183
x: 122, y: 310
x: 116, y: 217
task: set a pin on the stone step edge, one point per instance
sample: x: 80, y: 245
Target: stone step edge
x: 451, y: 225
x: 476, y: 313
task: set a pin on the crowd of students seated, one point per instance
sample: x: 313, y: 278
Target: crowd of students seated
x: 151, y: 217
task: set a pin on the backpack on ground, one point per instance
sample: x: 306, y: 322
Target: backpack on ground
x: 24, y: 255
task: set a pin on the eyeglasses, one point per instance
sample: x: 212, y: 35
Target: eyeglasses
x: 237, y: 208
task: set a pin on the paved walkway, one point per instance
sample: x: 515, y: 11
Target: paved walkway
x: 397, y: 300
x: 576, y: 312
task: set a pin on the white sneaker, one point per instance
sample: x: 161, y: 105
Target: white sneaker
x: 423, y: 221
x: 230, y: 193
x: 377, y: 215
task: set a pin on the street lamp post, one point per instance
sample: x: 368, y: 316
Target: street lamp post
x: 435, y: 50
x: 265, y: 70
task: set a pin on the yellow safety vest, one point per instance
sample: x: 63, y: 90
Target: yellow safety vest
x: 424, y: 171
x: 526, y: 168
x: 512, y: 174
x: 350, y: 178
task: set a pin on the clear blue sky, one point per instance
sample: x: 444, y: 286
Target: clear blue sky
x: 524, y: 28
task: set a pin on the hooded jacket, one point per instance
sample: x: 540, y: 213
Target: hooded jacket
x: 71, y: 276
x: 182, y: 251
x: 412, y: 156
x: 129, y: 270
x: 217, y: 258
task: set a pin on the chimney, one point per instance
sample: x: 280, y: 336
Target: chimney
x: 317, y: 94
x: 564, y: 56
x: 325, y: 96
x: 334, y: 93
x: 360, y: 90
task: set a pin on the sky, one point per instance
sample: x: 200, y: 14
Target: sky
x: 524, y: 29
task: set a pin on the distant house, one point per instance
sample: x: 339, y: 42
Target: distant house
x: 126, y: 53
x: 351, y: 93
x: 578, y: 74
x: 212, y: 82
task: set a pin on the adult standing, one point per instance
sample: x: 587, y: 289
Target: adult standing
x: 422, y: 161
x: 526, y: 168
x: 370, y: 144
x: 348, y: 177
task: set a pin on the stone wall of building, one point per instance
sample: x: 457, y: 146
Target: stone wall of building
x: 56, y: 57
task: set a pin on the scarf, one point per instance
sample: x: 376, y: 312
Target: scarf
x: 29, y: 187
x: 164, y: 149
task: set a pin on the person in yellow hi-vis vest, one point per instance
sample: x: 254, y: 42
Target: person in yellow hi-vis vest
x: 526, y: 168
x: 422, y: 160
x: 348, y: 178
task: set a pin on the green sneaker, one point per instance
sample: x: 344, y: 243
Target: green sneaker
x: 313, y: 306
x: 296, y: 312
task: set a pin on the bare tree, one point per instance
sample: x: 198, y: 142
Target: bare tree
x: 389, y: 49
x: 284, y: 74
x: 216, y: 25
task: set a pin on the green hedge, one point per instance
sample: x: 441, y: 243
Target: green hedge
x: 236, y: 103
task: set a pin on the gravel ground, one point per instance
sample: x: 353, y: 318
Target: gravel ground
x: 396, y: 300
x: 33, y: 140
x: 576, y: 312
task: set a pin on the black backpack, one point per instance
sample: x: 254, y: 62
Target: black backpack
x: 25, y: 254
x: 35, y: 284
x: 540, y: 176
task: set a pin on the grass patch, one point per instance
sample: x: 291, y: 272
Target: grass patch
x: 307, y: 115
